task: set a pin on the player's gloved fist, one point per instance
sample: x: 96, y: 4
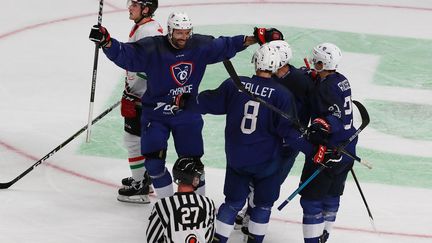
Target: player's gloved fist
x: 263, y: 35
x: 128, y: 105
x: 327, y: 157
x: 100, y: 35
x: 311, y: 72
x: 179, y: 102
x: 318, y: 132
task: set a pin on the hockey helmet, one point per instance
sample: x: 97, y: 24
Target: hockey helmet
x: 188, y: 171
x: 284, y: 49
x: 179, y: 21
x: 266, y: 58
x: 151, y: 4
x: 327, y: 53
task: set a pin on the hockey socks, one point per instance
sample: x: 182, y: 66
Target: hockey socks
x: 160, y: 176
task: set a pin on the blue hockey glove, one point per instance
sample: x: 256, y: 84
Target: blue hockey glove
x: 318, y: 132
x: 263, y: 35
x: 99, y: 34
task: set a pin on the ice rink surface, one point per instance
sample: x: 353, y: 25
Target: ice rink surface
x: 46, y: 61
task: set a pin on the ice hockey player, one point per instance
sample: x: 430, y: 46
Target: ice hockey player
x: 332, y: 124
x: 301, y: 85
x: 174, y: 64
x: 185, y: 216
x: 136, y: 188
x: 253, y: 139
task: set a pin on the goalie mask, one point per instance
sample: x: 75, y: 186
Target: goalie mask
x: 328, y: 54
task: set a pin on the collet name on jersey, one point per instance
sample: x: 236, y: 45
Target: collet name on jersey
x: 344, y: 85
x: 258, y: 90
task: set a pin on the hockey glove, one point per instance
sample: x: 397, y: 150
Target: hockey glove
x: 263, y: 35
x: 179, y: 102
x: 318, y: 132
x: 326, y: 157
x: 310, y: 71
x: 128, y: 105
x: 99, y: 34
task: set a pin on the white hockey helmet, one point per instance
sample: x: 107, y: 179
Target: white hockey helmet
x: 266, y: 58
x: 284, y: 49
x: 327, y: 53
x: 179, y: 21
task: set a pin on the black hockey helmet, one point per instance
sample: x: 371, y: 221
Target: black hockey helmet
x: 188, y: 170
x: 151, y: 4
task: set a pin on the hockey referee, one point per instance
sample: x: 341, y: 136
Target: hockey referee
x: 185, y: 216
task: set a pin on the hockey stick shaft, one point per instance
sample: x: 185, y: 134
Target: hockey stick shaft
x: 233, y: 74
x: 10, y: 183
x: 371, y: 219
x: 94, y: 75
x: 303, y: 185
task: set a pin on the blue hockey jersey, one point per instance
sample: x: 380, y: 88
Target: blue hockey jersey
x: 253, y: 132
x: 171, y: 71
x: 332, y: 100
x: 301, y: 86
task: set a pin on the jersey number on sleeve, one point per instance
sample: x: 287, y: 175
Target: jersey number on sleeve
x: 248, y: 124
x: 348, y: 112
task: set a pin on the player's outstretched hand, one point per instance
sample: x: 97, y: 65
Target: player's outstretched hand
x: 263, y: 35
x: 99, y: 34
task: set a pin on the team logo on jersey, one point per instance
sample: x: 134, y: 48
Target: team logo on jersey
x: 334, y: 109
x: 181, y: 72
x: 191, y: 239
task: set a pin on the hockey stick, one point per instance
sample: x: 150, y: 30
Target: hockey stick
x: 93, y: 83
x: 10, y: 183
x: 233, y: 74
x: 365, y: 117
x: 371, y: 219
x: 303, y: 185
x: 365, y: 121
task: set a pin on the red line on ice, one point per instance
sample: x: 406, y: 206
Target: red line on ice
x: 64, y: 170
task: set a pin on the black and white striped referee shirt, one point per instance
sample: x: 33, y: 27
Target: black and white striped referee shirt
x: 182, y: 218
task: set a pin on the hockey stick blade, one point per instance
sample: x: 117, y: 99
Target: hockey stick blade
x: 10, y: 183
x: 365, y: 121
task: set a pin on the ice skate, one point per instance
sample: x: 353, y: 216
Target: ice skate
x: 137, y: 192
x: 127, y: 181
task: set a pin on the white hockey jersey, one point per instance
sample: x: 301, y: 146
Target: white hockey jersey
x: 183, y: 217
x: 136, y: 83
